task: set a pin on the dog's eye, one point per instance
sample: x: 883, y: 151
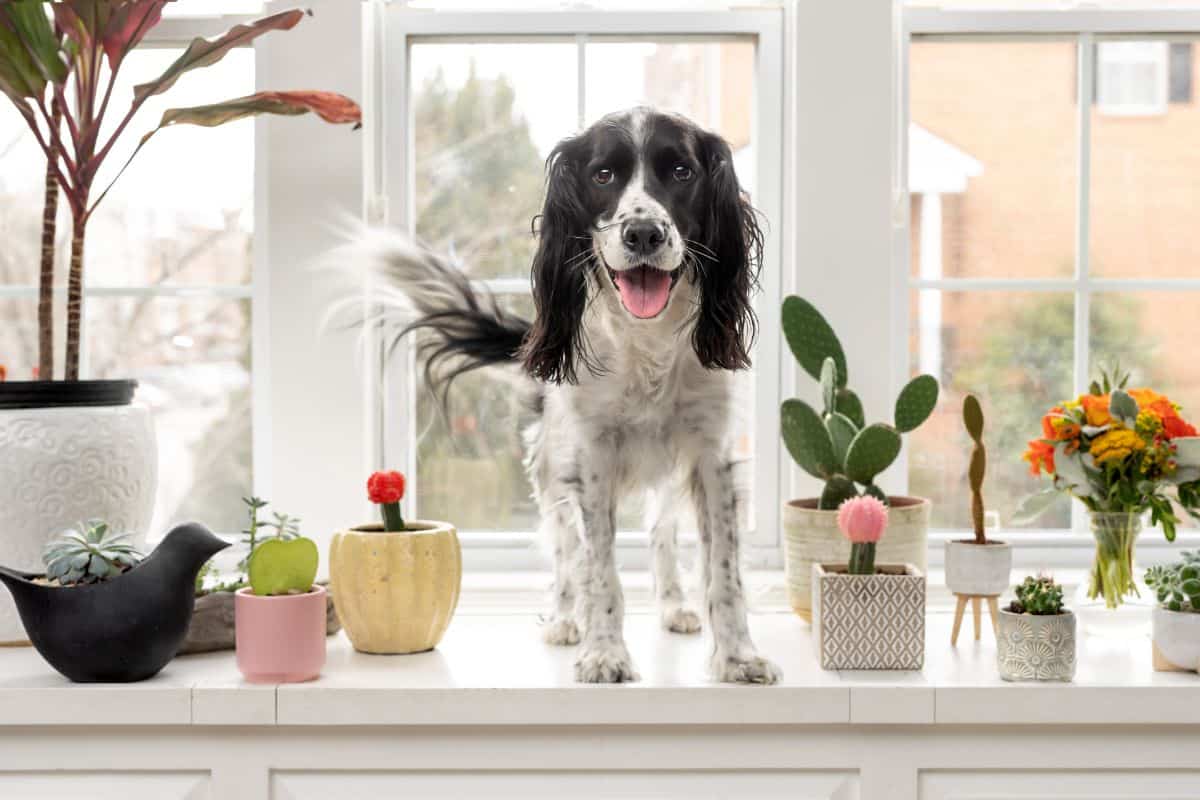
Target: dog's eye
x: 682, y: 172
x: 603, y: 176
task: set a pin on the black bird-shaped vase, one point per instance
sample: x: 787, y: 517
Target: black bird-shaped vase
x: 126, y: 628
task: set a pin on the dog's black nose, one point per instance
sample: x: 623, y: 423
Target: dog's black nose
x: 643, y: 237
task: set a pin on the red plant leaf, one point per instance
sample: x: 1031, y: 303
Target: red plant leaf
x: 203, y: 52
x: 329, y: 106
x: 128, y: 24
x: 82, y: 20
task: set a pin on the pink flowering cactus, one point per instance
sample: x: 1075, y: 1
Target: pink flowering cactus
x: 862, y: 520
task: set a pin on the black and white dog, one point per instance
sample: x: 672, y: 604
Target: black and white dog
x: 647, y: 258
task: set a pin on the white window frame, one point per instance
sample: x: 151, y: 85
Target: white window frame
x: 393, y: 30
x: 1086, y: 26
x: 1123, y: 53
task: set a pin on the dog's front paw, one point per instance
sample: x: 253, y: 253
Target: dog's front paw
x: 607, y: 665
x: 750, y: 669
x: 560, y: 631
x: 681, y: 620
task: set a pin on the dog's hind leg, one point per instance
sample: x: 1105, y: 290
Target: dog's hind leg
x: 562, y: 627
x: 665, y: 553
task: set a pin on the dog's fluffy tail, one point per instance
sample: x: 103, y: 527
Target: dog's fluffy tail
x: 459, y: 327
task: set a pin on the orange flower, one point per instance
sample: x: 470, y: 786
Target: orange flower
x: 1057, y: 426
x: 1174, y: 427
x: 1161, y: 406
x: 1040, y: 455
x: 1095, y: 408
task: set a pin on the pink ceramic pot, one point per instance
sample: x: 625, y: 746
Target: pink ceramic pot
x: 280, y: 639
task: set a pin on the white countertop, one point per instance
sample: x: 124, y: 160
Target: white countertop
x: 493, y: 669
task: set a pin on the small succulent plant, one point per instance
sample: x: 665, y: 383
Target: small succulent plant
x: 862, y: 520
x: 1040, y: 596
x: 279, y: 566
x: 91, y: 553
x: 973, y: 422
x: 837, y: 446
x: 1177, y: 585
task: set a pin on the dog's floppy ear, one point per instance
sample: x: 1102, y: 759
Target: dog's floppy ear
x: 554, y: 344
x: 726, y: 324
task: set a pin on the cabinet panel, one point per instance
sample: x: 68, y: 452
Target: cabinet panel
x: 692, y: 785
x: 115, y: 785
x: 1061, y: 785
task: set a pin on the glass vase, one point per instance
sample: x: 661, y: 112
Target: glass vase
x: 1111, y: 576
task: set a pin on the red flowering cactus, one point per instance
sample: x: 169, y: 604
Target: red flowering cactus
x: 387, y: 489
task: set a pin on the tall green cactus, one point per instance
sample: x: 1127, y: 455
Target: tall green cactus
x: 973, y: 422
x: 837, y: 445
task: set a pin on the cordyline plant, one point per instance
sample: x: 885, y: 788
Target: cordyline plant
x: 59, y: 62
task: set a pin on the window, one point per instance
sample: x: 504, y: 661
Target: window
x: 488, y: 96
x: 168, y: 277
x: 1047, y: 240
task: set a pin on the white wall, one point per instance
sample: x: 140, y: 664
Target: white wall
x: 309, y: 416
x: 843, y: 198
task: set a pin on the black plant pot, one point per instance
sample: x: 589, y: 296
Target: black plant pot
x: 124, y: 629
x: 64, y: 394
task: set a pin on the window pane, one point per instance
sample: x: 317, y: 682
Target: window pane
x: 18, y: 337
x: 1145, y: 182
x: 210, y: 8
x: 192, y: 359
x: 183, y: 211
x: 22, y: 192
x: 485, y: 118
x: 1012, y: 349
x: 992, y: 159
x: 711, y: 83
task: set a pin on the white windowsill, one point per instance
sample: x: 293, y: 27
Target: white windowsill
x: 494, y: 670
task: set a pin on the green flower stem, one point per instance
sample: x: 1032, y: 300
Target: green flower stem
x: 392, y: 521
x: 1112, y: 569
x: 862, y: 559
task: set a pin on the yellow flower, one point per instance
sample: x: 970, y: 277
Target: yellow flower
x: 1115, y: 444
x: 1148, y: 423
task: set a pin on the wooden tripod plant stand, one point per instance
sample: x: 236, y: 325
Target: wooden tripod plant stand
x: 976, y: 599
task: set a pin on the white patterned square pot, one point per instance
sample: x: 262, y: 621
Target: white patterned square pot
x: 1036, y: 647
x: 869, y: 621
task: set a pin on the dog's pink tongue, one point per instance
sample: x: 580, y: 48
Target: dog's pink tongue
x: 644, y: 290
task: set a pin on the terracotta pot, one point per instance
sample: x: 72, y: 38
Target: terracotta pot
x: 978, y: 569
x: 1036, y: 647
x: 869, y: 621
x: 70, y: 451
x: 280, y: 639
x: 396, y: 592
x: 812, y: 536
x: 1176, y: 640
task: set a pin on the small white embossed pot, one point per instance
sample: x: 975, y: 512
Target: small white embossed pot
x: 69, y: 451
x: 1036, y: 647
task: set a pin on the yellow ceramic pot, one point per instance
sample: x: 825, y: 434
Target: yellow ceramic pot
x: 396, y: 592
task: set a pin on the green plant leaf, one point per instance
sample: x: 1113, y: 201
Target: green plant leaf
x: 841, y: 432
x: 329, y: 106
x: 872, y: 451
x: 279, y: 567
x: 127, y: 26
x: 1122, y: 406
x: 838, y: 490
x: 1033, y: 506
x: 811, y: 338
x: 871, y: 490
x: 849, y: 404
x: 33, y: 48
x: 973, y: 417
x: 806, y: 439
x: 829, y: 387
x: 205, y: 52
x: 916, y: 402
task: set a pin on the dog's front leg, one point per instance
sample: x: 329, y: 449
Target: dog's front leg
x: 734, y: 659
x: 603, y: 657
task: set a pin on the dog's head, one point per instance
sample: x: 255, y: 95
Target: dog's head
x: 637, y: 203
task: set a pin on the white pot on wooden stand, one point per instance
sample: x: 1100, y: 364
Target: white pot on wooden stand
x: 977, y: 573
x: 69, y: 452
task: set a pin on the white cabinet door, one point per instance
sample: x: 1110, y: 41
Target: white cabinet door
x: 116, y: 785
x: 1061, y: 785
x: 691, y: 785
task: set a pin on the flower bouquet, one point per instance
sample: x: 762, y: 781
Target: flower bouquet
x: 1121, y: 452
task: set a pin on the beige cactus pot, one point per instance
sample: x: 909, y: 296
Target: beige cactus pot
x: 395, y: 592
x: 811, y: 536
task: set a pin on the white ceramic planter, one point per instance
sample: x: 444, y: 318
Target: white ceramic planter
x: 1033, y: 647
x: 812, y: 536
x: 869, y: 621
x: 978, y: 569
x: 1176, y: 640
x: 59, y: 466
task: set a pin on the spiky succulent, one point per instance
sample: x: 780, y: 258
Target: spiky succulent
x: 1177, y: 585
x: 91, y: 553
x: 1040, y: 596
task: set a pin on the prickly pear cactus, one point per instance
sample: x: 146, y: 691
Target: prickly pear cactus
x: 836, y: 445
x: 278, y: 566
x: 973, y: 422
